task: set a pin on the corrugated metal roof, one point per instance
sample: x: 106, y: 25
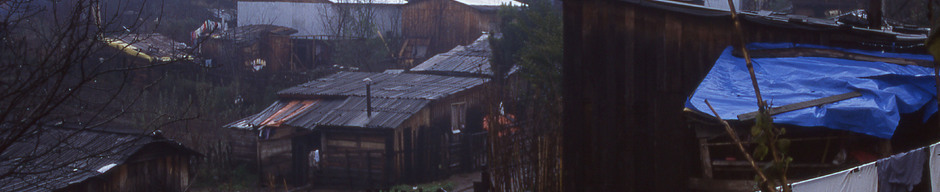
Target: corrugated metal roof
x: 351, y: 112
x: 384, y: 85
x: 348, y: 112
x: 340, y: 100
x: 153, y: 46
x: 472, y: 59
x: 58, y: 157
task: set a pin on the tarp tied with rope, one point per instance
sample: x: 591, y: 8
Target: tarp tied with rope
x: 818, y: 86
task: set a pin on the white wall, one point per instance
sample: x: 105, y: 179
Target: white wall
x: 723, y: 4
x: 308, y: 18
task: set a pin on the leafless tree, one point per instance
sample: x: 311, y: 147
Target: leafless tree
x: 57, y: 70
x: 356, y: 29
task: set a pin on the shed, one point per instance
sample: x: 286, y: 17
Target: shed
x: 96, y: 159
x: 630, y: 66
x: 415, y: 129
x: 435, y: 26
x: 251, y: 48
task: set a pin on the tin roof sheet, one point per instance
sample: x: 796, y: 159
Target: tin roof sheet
x: 472, y: 59
x: 348, y: 112
x: 384, y: 85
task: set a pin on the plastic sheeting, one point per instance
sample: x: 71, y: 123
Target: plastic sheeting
x: 934, y: 165
x: 887, y: 89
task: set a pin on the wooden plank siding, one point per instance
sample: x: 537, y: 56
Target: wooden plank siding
x: 628, y: 69
x: 244, y: 145
x: 455, y: 147
x: 276, y: 51
x: 152, y: 169
x: 356, y: 159
x: 445, y: 23
x: 418, y: 150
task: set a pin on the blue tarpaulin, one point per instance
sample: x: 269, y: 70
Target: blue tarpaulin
x: 887, y: 89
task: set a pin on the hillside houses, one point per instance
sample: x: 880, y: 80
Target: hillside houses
x: 412, y: 31
x: 375, y: 129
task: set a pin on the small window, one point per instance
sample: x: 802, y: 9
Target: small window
x: 458, y: 117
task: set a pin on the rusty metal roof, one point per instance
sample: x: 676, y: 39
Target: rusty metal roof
x: 384, y: 85
x: 57, y: 157
x: 340, y: 100
x: 346, y: 112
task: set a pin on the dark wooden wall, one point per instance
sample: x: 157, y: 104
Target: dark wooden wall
x: 628, y: 69
x: 455, y: 147
x: 357, y: 159
x: 446, y: 23
x: 276, y: 51
x: 156, y: 167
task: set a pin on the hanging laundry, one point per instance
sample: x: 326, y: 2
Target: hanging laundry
x: 902, y: 171
x: 934, y: 160
x: 861, y: 178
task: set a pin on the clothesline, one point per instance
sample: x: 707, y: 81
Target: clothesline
x: 900, y: 172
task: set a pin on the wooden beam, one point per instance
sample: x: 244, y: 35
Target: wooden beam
x: 815, y: 52
x: 705, y: 156
x: 802, y: 105
x: 791, y: 139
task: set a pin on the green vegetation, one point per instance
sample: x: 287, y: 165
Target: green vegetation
x: 530, y: 38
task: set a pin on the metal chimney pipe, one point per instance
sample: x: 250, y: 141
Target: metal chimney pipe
x: 368, y: 96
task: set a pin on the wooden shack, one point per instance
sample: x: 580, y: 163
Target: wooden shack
x: 351, y: 133
x: 629, y: 67
x: 96, y: 159
x: 435, y: 26
x: 251, y: 48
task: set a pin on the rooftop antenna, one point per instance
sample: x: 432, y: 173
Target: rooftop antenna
x: 368, y: 96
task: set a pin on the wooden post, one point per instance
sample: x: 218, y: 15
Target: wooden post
x: 706, y: 158
x: 737, y: 141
